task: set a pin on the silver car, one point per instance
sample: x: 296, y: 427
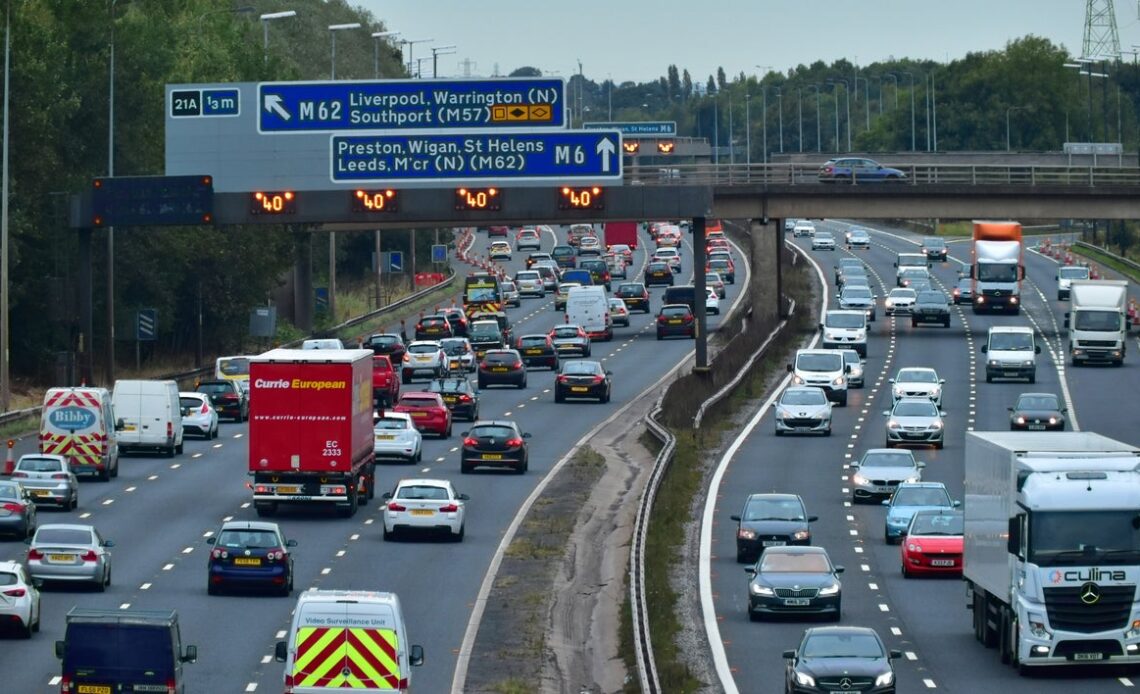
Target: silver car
x: 900, y: 301
x: 394, y: 435
x: 459, y: 348
x: 530, y: 283
x: 858, y: 298
x: 858, y: 238
x: 803, y: 410
x: 198, y: 415
x: 823, y: 240
x: 426, y: 505
x: 70, y: 552
x: 424, y: 357
x: 48, y: 479
x: 510, y: 293
x: 880, y: 471
x: 17, y: 510
x: 915, y: 421
x: 854, y: 367
x: 917, y: 382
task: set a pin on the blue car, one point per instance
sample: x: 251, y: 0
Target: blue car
x: 910, y: 498
x: 858, y: 170
x: 250, y: 554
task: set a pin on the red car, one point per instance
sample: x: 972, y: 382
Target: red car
x: 428, y: 411
x: 498, y: 231
x: 716, y: 245
x: 933, y: 544
x: 385, y: 382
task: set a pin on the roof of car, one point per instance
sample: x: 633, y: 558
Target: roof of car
x: 773, y: 495
x: 65, y: 526
x: 840, y: 630
x: 423, y: 482
x: 424, y: 342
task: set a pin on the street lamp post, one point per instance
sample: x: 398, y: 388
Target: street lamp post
x: 5, y: 385
x: 780, y: 111
x: 377, y: 35
x: 265, y: 20
x: 764, y: 125
x: 435, y: 53
x: 800, y: 115
x: 835, y: 91
x: 1008, y: 111
x: 411, y: 44
x: 895, y: 79
x: 880, y: 79
x: 333, y: 29
x: 866, y: 99
x: 731, y: 141
x: 847, y: 108
x: 913, y: 139
x: 110, y: 375
x: 748, y: 129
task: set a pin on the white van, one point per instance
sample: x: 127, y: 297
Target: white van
x: 348, y: 639
x: 845, y: 330
x: 589, y: 308
x: 79, y: 424
x: 824, y: 368
x: 906, y: 261
x: 323, y: 343
x: 1011, y: 352
x: 150, y: 416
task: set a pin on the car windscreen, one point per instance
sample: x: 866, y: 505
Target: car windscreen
x: 566, y: 332
x: 1013, y: 342
x: 916, y: 376
x: 562, y: 250
x: 390, y: 424
x: 630, y: 290
x: 932, y: 298
x: 448, y: 385
x: 920, y: 408
x: 426, y: 348
x: 383, y: 340
x: 657, y: 267
x: 236, y: 366
x: 675, y: 311
x: 422, y: 493
x: 824, y: 235
x: 500, y: 358
x: 718, y: 263
x: 528, y: 275
x: 780, y: 562
x: 773, y: 509
x: 914, y: 496
x: 9, y: 491
x: 841, y: 646
x: 29, y: 464
x: 915, y: 273
x: 491, y: 432
x: 937, y: 524
x: 579, y: 368
x: 903, y: 294
x: 63, y: 536
x: 215, y: 388
x: 532, y: 341
x: 912, y: 261
x: 885, y: 459
x: 803, y: 397
x: 933, y: 242
x: 417, y: 402
x: 857, y: 293
x: 454, y: 348
x: 850, y: 356
x: 1073, y: 272
x: 189, y: 403
x: 845, y: 320
x: 819, y: 362
x: 1038, y: 402
x: 114, y: 652
x: 248, y: 538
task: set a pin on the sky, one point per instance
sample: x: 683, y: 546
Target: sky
x: 637, y: 40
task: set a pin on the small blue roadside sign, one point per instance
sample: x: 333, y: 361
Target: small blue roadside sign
x: 438, y: 253
x: 569, y: 155
x: 508, y: 103
x: 396, y: 261
x: 638, y: 129
x: 146, y: 325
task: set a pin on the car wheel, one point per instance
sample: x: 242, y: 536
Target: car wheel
x: 838, y: 612
x: 659, y: 336
x: 843, y: 400
x: 1032, y: 378
x: 753, y: 616
x: 458, y: 537
x: 905, y: 573
x: 482, y: 384
x: 102, y: 583
x: 558, y: 397
x: 170, y: 451
x: 447, y: 432
x: 464, y: 468
x: 939, y: 445
x: 74, y: 502
x: 178, y: 449
x: 522, y: 384
x: 387, y: 535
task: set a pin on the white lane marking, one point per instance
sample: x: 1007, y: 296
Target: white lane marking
x: 853, y: 532
x: 152, y: 478
x: 865, y: 567
x: 884, y: 607
x: 428, y: 469
x: 326, y: 571
x: 125, y: 606
x: 216, y: 445
x: 354, y: 536
x: 873, y: 586
x: 1126, y: 682
x: 245, y: 505
x: 251, y: 687
x: 281, y: 634
x: 188, y: 550
x: 896, y: 631
x: 454, y: 449
x: 195, y: 455
x: 858, y: 550
x: 265, y: 659
x: 85, y: 515
x: 208, y: 533
x: 54, y: 681
x: 175, y: 466
x: 910, y: 655
x: 145, y: 586
x: 369, y: 521
x: 167, y: 567
x: 930, y: 684
x: 130, y: 489
x: 227, y: 519
x: 108, y: 502
x: 340, y: 553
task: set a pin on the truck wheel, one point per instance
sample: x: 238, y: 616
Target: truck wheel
x: 178, y: 449
x: 464, y: 468
x: 265, y: 508
x: 843, y: 400
x: 1033, y: 378
x: 349, y: 510
x: 989, y: 635
x: 170, y: 451
x: 1004, y: 637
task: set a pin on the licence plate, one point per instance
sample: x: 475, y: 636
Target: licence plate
x: 1088, y: 656
x: 674, y: 322
x: 94, y: 689
x: 385, y: 437
x: 40, y: 492
x: 492, y: 456
x: 773, y: 543
x: 942, y: 562
x: 579, y: 389
x: 247, y: 561
x: 797, y: 602
x: 129, y: 427
x: 534, y: 351
x: 419, y: 414
x: 450, y: 400
x: 1010, y: 373
x: 454, y: 363
x: 61, y: 557
x: 421, y: 512
x: 1037, y: 427
x: 288, y: 490
x: 499, y: 369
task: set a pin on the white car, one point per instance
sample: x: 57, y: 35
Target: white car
x: 530, y: 283
x: 803, y: 228
x: 803, y: 410
x: 394, y: 435
x: 424, y: 357
x: 19, y: 598
x: 822, y: 241
x: 712, y: 302
x: 619, y: 312
x: 424, y: 505
x: 900, y: 300
x: 528, y: 238
x: 670, y: 255
x: 917, y: 382
x: 198, y: 416
x: 500, y: 250
x: 589, y: 245
x: 510, y: 293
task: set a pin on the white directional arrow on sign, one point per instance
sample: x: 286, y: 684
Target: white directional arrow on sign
x: 273, y: 105
x: 606, y: 148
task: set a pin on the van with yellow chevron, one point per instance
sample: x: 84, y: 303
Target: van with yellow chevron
x: 348, y: 639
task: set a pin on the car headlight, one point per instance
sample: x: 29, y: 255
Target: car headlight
x: 1020, y: 419
x: 838, y: 381
x: 861, y: 335
x: 829, y: 336
x: 993, y: 362
x: 746, y: 534
x: 856, y: 370
x: 913, y: 479
x: 911, y: 547
x: 885, y: 679
x: 797, y: 379
x: 801, y: 535
x: 897, y: 392
x: 936, y: 425
x: 897, y: 520
x: 892, y: 424
x: 758, y: 589
x: 804, y: 680
x: 1037, y: 626
x: 1052, y: 420
x: 829, y: 590
x: 935, y: 392
x: 888, y: 303
x: 1027, y: 362
x: 859, y: 479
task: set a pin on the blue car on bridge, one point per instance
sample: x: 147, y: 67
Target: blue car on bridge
x: 858, y: 170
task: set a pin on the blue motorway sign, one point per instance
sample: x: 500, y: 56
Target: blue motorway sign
x: 502, y: 103
x: 396, y: 261
x: 438, y: 253
x: 638, y: 129
x: 146, y: 323
x: 507, y: 158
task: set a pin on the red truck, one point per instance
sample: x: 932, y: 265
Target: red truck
x: 621, y: 232
x: 310, y: 428
x: 385, y: 382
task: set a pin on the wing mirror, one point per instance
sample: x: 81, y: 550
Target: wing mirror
x: 526, y: 435
x: 894, y: 654
x: 290, y: 543
x: 211, y: 540
x: 839, y: 569
x: 108, y: 543
x: 1037, y: 349
x: 985, y: 348
x: 921, y: 465
x: 191, y: 655
x: 416, y: 657
x: 886, y: 502
x: 789, y: 655
x: 281, y: 652
x: 956, y: 503
x: 751, y: 570
x: 735, y: 517
x: 464, y: 497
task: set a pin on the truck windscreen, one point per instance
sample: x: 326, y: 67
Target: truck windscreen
x: 1073, y: 538
x: 1104, y: 321
x: 997, y: 272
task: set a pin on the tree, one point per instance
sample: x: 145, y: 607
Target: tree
x: 711, y: 87
x: 686, y: 84
x: 721, y: 81
x: 674, y: 79
x: 526, y: 71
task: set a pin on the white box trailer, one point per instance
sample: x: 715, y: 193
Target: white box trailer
x: 1052, y: 546
x: 1098, y: 321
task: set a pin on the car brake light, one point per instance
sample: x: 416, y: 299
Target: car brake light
x: 464, y: 398
x: 407, y: 357
x: 393, y: 506
x: 598, y: 379
x: 660, y: 319
x: 450, y: 508
x: 563, y: 379
x: 517, y: 365
x: 16, y: 592
x: 65, y: 684
x: 59, y: 476
x: 230, y: 396
x: 205, y: 408
x: 171, y: 687
x: 14, y: 508
x: 89, y: 555
x: 35, y: 554
x: 276, y: 554
x: 514, y: 442
x: 169, y: 429
x: 689, y: 318
x: 19, y: 474
x: 470, y: 441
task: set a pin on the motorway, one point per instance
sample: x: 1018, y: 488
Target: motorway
x: 159, y: 513
x: 926, y: 619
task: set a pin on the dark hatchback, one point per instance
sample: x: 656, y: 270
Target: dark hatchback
x: 389, y: 344
x: 963, y: 291
x: 227, y: 397
x: 494, y: 443
x: 434, y: 328
x: 459, y: 396
x: 771, y: 520
x: 794, y: 580
x: 537, y: 350
x: 635, y: 296
x: 676, y: 319
x: 1037, y: 412
x: 565, y: 256
x: 935, y: 248
x: 840, y: 659
x: 485, y: 335
x: 931, y: 306
x: 582, y: 379
x: 658, y: 273
x: 502, y: 367
x: 599, y: 272
x: 457, y: 318
x: 250, y: 554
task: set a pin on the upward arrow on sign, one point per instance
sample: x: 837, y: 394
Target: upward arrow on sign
x: 273, y: 105
x: 606, y: 148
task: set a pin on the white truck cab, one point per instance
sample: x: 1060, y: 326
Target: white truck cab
x: 1011, y: 352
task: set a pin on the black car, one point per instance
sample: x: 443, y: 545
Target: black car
x: 1037, y: 412
x: 484, y: 335
x: 494, y: 443
x: 458, y: 395
x: 676, y: 319
x: 840, y: 659
x: 502, y: 367
x: 794, y: 580
x: 434, y: 327
x: 634, y: 294
x: 658, y: 272
x: 935, y: 248
x: 537, y: 350
x: 457, y: 318
x: 390, y: 344
x: 497, y: 316
x: 565, y: 256
x: 931, y: 306
x: 227, y: 397
x: 582, y: 379
x: 771, y: 520
x: 599, y: 271
x: 250, y: 553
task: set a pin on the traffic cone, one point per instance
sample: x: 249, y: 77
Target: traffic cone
x: 10, y: 460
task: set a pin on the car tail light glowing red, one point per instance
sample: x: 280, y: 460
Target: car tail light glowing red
x: 470, y: 441
x: 59, y: 476
x: 276, y: 554
x: 35, y: 554
x: 14, y: 508
x: 688, y: 318
x: 230, y: 396
x: 89, y: 555
x: 517, y: 365
x: 449, y: 508
x: 169, y: 429
x: 660, y: 319
x: 598, y: 379
x: 393, y: 506
x: 563, y: 379
x: 65, y: 685
x: 464, y: 398
x: 16, y: 592
x: 205, y: 408
x: 514, y: 443
x: 19, y: 474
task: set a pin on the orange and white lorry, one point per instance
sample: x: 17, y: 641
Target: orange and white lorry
x: 310, y: 428
x: 997, y: 266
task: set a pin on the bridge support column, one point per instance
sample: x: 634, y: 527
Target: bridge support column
x: 303, y: 281
x: 767, y: 243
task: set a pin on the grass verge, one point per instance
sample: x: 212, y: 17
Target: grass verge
x: 1107, y: 261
